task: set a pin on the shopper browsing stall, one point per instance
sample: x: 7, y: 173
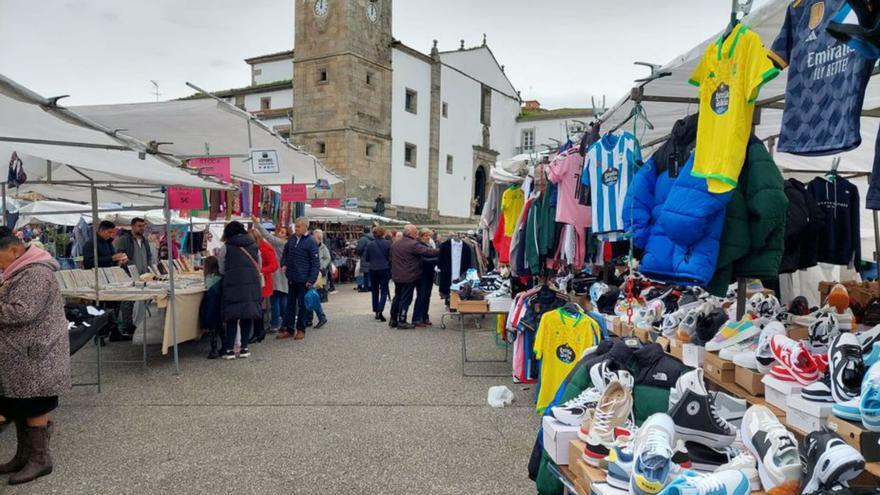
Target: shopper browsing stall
x: 31, y: 318
x: 278, y: 300
x: 324, y: 260
x: 425, y: 283
x: 239, y: 261
x: 107, y: 255
x: 360, y: 249
x: 406, y: 271
x: 378, y: 254
x: 269, y: 265
x: 300, y: 263
x: 134, y: 245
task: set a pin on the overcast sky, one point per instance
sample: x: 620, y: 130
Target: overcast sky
x: 560, y: 52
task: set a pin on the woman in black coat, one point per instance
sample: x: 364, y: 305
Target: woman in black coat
x: 239, y: 260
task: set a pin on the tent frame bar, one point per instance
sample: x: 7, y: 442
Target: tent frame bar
x: 71, y: 144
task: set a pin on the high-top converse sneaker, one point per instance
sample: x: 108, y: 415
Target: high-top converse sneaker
x: 826, y: 459
x: 696, y: 416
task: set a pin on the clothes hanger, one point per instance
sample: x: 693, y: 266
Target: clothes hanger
x: 832, y: 175
x: 737, y: 6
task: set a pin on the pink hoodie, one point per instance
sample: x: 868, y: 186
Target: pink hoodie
x: 31, y: 255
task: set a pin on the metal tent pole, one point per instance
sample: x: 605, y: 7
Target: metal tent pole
x: 95, y: 267
x: 3, y: 219
x: 171, y: 305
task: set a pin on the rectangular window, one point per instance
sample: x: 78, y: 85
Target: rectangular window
x: 409, y: 155
x: 322, y: 76
x: 370, y: 150
x: 449, y: 164
x: 258, y: 72
x: 239, y: 101
x: 486, y: 105
x: 322, y: 148
x: 369, y: 78
x: 445, y: 110
x: 528, y: 140
x: 265, y: 103
x: 412, y: 101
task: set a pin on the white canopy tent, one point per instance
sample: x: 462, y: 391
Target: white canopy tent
x: 69, y: 151
x: 201, y: 127
x: 69, y: 214
x: 347, y: 216
x: 669, y: 97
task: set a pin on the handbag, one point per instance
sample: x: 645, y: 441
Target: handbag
x: 257, y: 265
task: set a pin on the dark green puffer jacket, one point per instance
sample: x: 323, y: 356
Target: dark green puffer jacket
x: 754, y: 229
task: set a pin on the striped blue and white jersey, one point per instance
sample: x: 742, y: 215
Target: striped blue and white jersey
x: 609, y: 166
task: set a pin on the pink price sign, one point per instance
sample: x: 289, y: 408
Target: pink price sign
x: 294, y: 193
x: 215, y: 166
x: 326, y: 203
x: 185, y: 198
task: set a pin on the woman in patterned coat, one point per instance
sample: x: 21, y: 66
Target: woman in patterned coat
x: 34, y: 353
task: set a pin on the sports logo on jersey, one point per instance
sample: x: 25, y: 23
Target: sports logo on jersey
x: 817, y: 13
x: 565, y: 353
x: 721, y: 99
x: 610, y: 176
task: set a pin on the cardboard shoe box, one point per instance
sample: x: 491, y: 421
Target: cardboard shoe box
x: 806, y: 415
x: 675, y: 348
x: 722, y: 370
x: 557, y: 437
x: 776, y: 391
x: 749, y: 380
x: 866, y: 442
x: 575, y: 450
x: 692, y: 355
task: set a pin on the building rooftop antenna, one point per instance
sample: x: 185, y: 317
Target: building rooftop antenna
x: 155, y: 92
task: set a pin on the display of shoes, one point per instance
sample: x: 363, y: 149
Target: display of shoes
x: 799, y: 306
x: 620, y: 460
x: 687, y: 329
x: 763, y: 353
x: 764, y: 305
x: 826, y: 459
x: 709, y: 325
x: 652, y: 455
x: 695, y: 414
x: 732, y: 333
x: 822, y: 331
x: 872, y: 357
x: 780, y: 372
x: 795, y: 358
x: 598, y: 429
x: 846, y: 367
x: 774, y: 447
x: 838, y: 298
x: 746, y: 464
x: 746, y: 359
x: 869, y: 404
x: 601, y: 374
x: 729, y: 482
x: 840, y: 489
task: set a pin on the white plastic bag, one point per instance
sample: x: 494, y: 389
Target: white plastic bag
x: 500, y: 396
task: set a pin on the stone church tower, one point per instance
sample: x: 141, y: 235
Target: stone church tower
x: 342, y: 91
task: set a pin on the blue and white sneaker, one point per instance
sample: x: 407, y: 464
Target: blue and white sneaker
x: 869, y: 405
x: 620, y: 460
x: 722, y: 483
x: 849, y: 410
x: 873, y: 356
x: 652, y: 455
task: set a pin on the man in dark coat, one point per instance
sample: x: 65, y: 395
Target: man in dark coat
x: 301, y: 263
x: 239, y: 261
x: 107, y: 255
x: 407, y: 254
x: 361, y: 251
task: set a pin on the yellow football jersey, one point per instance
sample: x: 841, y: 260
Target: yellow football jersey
x: 729, y: 76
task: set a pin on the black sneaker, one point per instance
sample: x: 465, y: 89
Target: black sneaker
x: 244, y: 353
x: 696, y: 409
x: 321, y: 323
x: 827, y: 460
x: 705, y: 458
x: 819, y: 391
x: 846, y: 367
x: 850, y: 490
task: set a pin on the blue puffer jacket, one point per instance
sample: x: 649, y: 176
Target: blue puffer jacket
x: 678, y: 223
x: 300, y: 256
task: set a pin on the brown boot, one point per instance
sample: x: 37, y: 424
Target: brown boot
x: 39, y: 461
x: 21, y: 451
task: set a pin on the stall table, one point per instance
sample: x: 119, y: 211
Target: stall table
x: 465, y: 310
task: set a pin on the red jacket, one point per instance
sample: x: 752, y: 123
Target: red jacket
x: 270, y: 263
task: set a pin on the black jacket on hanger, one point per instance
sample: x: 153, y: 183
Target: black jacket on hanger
x: 840, y: 242
x: 445, y: 264
x: 804, y: 224
x: 674, y: 153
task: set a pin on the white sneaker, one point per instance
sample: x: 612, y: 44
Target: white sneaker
x: 727, y: 482
x: 774, y: 447
x: 729, y: 353
x: 746, y: 360
x: 747, y: 464
x: 652, y: 455
x: 763, y: 354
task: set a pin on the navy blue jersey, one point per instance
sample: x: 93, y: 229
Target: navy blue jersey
x: 826, y: 81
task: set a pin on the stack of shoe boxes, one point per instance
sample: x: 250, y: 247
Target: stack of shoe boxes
x: 720, y: 370
x: 776, y: 391
x: 557, y: 437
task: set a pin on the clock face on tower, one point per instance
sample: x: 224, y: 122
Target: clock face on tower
x: 322, y: 7
x: 372, y: 11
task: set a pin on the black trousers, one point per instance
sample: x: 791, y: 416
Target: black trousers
x: 423, y: 298
x: 296, y: 306
x: 403, y: 296
x: 379, y: 284
x: 232, y: 327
